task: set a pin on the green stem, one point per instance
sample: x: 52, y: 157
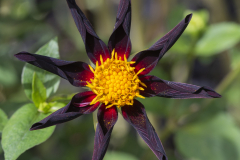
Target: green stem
x: 224, y: 84
x: 228, y: 79
x: 95, y: 121
x: 171, y: 124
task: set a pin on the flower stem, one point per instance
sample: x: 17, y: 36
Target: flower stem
x: 95, y: 121
x: 224, y: 84
x: 228, y: 79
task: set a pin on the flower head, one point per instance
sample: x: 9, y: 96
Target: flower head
x: 115, y: 81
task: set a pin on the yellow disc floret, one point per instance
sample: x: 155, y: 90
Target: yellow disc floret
x: 115, y: 82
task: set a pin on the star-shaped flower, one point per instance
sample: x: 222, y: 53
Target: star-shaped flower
x: 115, y: 81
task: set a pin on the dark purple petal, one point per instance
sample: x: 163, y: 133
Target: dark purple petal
x: 106, y: 120
x: 77, y: 73
x: 163, y: 88
x: 120, y: 39
x: 73, y: 110
x: 93, y: 44
x: 137, y: 117
x: 149, y: 58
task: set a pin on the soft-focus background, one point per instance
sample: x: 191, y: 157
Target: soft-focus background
x: 207, y: 54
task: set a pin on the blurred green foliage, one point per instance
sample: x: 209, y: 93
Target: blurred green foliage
x: 218, y: 38
x: 3, y: 119
x: 119, y: 156
x: 17, y: 137
x: 207, y: 54
x: 216, y: 139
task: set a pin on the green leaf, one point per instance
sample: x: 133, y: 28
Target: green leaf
x: 3, y: 120
x: 50, y: 81
x: 54, y: 106
x: 62, y: 98
x: 38, y: 91
x: 119, y: 156
x: 217, y: 139
x: 16, y: 136
x: 218, y: 38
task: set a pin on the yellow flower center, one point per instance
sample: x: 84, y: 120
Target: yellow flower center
x: 115, y: 82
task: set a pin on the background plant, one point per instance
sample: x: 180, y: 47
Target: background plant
x: 206, y: 54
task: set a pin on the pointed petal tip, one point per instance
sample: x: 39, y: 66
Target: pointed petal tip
x: 165, y: 157
x: 211, y: 92
x: 137, y: 117
x: 215, y: 95
x: 25, y: 56
x: 188, y: 18
x: 71, y: 3
x: 35, y: 126
x: 32, y: 129
x: 93, y: 44
x: 18, y: 55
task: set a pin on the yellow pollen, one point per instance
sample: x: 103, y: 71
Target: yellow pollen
x: 115, y: 82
